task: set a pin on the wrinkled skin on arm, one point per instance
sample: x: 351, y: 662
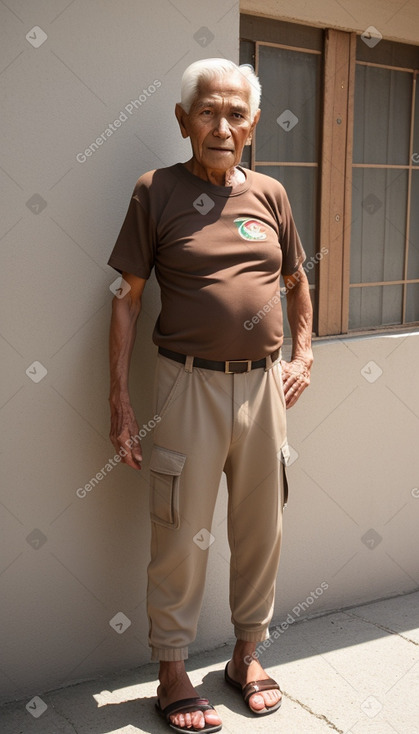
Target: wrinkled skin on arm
x: 123, y: 329
x: 296, y: 373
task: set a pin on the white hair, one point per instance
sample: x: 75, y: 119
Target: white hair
x: 208, y: 69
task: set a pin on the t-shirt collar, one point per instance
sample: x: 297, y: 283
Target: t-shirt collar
x: 209, y: 187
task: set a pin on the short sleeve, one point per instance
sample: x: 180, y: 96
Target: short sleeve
x: 135, y: 247
x: 292, y: 250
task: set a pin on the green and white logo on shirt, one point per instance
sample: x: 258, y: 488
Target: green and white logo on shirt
x: 251, y: 229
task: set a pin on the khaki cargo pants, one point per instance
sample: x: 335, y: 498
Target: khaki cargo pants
x: 213, y: 422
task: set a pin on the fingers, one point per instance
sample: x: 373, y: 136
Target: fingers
x: 291, y: 396
x: 132, y: 457
x: 292, y: 392
x: 128, y: 447
x: 125, y: 434
x: 133, y: 461
x: 130, y: 451
x: 295, y: 379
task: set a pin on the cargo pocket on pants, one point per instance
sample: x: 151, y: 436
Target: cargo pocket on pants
x: 165, y: 470
x: 284, y: 456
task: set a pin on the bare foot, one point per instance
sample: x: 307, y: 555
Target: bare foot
x: 243, y: 673
x: 175, y: 685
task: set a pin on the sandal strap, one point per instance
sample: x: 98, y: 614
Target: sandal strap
x: 257, y: 686
x: 186, y: 705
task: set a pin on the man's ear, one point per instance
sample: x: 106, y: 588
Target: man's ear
x: 252, y: 129
x: 181, y: 116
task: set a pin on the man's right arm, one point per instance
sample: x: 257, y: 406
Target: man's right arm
x: 125, y: 312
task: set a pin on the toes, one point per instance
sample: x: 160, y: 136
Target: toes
x: 189, y: 720
x: 195, y: 719
x: 257, y: 701
x: 198, y: 721
x: 212, y: 718
x: 178, y: 720
x: 272, y: 697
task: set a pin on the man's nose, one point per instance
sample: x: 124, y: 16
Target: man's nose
x: 222, y: 128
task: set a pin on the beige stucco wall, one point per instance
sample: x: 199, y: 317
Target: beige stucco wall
x: 69, y: 564
x: 396, y: 20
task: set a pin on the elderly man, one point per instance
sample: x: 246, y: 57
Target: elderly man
x: 219, y: 236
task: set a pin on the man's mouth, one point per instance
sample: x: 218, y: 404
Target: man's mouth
x: 225, y: 150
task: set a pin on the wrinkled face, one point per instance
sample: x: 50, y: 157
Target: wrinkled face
x: 219, y: 122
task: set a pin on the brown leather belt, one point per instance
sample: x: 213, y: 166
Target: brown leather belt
x: 230, y: 367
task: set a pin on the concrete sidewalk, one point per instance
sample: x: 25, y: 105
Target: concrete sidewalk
x: 354, y: 671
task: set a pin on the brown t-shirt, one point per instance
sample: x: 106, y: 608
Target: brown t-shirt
x: 218, y: 253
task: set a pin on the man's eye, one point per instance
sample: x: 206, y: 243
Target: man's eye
x: 238, y: 115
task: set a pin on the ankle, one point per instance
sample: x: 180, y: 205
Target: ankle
x: 171, y: 671
x: 243, y: 648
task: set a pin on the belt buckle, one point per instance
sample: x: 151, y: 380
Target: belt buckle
x: 228, y: 371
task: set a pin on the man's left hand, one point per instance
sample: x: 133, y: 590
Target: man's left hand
x: 295, y: 379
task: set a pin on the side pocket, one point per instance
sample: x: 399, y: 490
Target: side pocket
x: 277, y: 373
x: 169, y: 377
x: 165, y: 470
x: 284, y: 454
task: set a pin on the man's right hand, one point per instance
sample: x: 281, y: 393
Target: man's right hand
x: 124, y: 428
x: 124, y: 434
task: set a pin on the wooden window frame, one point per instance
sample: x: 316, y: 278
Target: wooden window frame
x: 335, y: 184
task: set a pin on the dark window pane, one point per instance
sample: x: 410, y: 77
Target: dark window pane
x: 383, y: 101
x: 378, y: 229
x: 247, y: 56
x: 247, y: 51
x: 413, y: 254
x: 288, y: 127
x: 278, y: 31
x: 388, y: 53
x: 301, y: 186
x: 412, y: 303
x: 375, y: 306
x: 415, y: 156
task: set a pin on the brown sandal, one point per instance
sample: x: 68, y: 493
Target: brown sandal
x: 257, y: 686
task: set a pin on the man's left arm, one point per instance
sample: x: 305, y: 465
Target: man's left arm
x: 296, y: 373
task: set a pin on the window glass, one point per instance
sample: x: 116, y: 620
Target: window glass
x: 247, y: 57
x: 288, y: 127
x: 388, y: 53
x: 413, y: 252
x: 382, y: 115
x: 378, y: 229
x: 412, y: 302
x: 415, y: 156
x: 375, y: 306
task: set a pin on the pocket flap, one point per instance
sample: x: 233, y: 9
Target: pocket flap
x: 166, y: 461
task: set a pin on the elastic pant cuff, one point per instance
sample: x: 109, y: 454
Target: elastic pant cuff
x: 169, y: 654
x: 252, y: 635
